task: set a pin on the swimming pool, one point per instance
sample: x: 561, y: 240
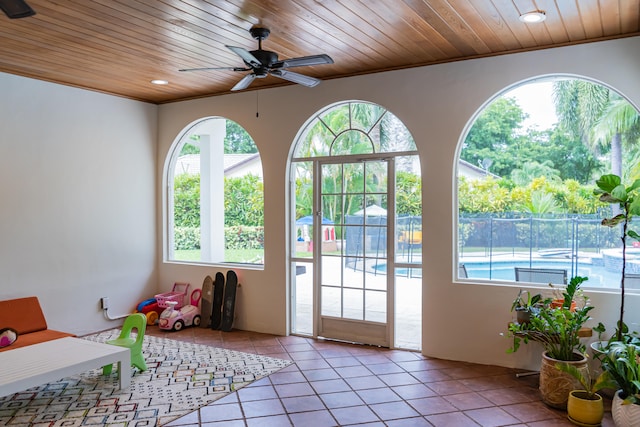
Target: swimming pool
x: 599, y: 277
x: 504, y: 270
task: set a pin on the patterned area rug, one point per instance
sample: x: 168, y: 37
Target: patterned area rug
x: 181, y: 378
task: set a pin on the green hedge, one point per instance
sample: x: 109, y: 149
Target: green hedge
x: 244, y: 237
x: 188, y: 238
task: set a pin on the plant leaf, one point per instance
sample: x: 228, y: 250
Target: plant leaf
x: 633, y: 234
x: 612, y: 222
x: 620, y: 193
x: 634, y: 186
x: 575, y: 373
x: 603, y: 381
x: 608, y: 198
x: 634, y: 206
x: 608, y: 182
x: 600, y: 328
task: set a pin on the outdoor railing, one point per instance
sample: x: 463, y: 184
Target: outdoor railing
x: 515, y: 239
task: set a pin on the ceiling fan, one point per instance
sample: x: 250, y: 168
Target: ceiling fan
x: 261, y: 63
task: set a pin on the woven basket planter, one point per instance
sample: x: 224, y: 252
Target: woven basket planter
x: 556, y: 385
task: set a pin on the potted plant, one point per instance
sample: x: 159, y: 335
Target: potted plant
x: 622, y: 363
x: 611, y: 190
x: 585, y: 405
x: 622, y: 334
x: 524, y: 305
x: 558, y: 329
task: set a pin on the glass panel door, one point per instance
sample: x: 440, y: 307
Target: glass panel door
x: 352, y: 227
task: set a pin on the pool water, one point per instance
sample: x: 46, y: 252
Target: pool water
x: 502, y: 270
x: 598, y: 276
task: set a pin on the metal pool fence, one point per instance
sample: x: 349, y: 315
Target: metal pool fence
x: 530, y: 237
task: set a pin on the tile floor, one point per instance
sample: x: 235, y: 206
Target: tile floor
x: 338, y: 384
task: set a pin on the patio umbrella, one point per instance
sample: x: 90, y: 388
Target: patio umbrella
x: 373, y: 210
x: 308, y: 220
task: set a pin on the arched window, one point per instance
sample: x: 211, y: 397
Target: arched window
x: 215, y: 195
x: 353, y: 128
x: 527, y: 169
x: 357, y: 228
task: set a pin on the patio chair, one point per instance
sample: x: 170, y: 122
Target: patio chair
x: 137, y: 321
x: 556, y: 276
x: 462, y: 272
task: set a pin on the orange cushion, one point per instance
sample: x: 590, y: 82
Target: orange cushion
x: 35, y: 338
x: 22, y: 314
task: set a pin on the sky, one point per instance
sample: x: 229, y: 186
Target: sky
x: 536, y: 100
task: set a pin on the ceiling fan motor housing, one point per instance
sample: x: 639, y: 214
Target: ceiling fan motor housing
x: 266, y: 58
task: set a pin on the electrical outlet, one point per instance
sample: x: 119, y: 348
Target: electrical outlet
x: 104, y: 303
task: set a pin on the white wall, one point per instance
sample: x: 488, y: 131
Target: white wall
x: 460, y: 321
x: 77, y: 201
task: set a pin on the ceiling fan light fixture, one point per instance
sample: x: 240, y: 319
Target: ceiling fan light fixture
x: 533, y: 17
x: 16, y: 9
x: 159, y: 82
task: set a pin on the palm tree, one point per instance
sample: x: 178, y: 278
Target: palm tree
x: 619, y: 121
x: 531, y: 170
x: 601, y: 118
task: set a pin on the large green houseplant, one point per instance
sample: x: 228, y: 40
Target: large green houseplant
x: 622, y: 335
x: 610, y: 189
x: 558, y: 329
x: 622, y: 363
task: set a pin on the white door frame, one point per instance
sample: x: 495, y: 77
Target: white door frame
x: 339, y: 327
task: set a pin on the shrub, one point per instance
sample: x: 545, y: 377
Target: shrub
x: 244, y: 237
x: 186, y: 238
x: 186, y: 201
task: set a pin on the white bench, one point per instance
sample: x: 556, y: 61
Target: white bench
x: 37, y: 364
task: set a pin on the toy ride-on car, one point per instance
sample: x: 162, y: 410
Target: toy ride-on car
x: 150, y: 309
x: 173, y: 319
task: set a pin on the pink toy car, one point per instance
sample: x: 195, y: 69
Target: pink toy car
x: 173, y: 319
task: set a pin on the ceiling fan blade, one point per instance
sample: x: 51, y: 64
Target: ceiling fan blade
x: 296, y: 78
x: 244, y: 83
x: 216, y: 68
x: 245, y: 55
x: 15, y: 9
x: 304, y: 61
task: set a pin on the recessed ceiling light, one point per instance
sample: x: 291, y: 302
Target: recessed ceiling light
x: 159, y: 82
x: 533, y: 17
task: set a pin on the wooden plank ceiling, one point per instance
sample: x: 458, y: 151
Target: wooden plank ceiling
x: 119, y: 46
